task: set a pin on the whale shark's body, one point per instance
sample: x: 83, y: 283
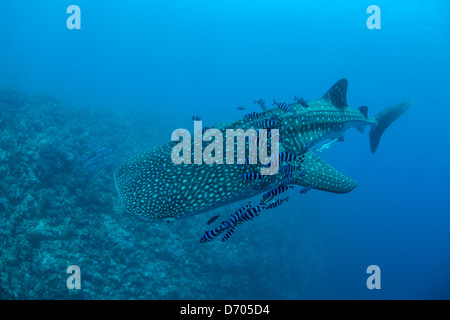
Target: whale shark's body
x: 152, y: 187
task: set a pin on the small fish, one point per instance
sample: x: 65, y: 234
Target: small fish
x: 278, y: 190
x: 301, y: 101
x: 227, y: 224
x: 261, y: 103
x: 306, y: 188
x: 101, y: 150
x: 96, y: 158
x: 289, y: 181
x: 264, y: 202
x: 283, y: 106
x: 214, y: 218
x: 237, y: 216
x: 286, y: 156
x: 326, y: 145
x: 228, y: 234
x: 251, y: 176
x: 93, y: 144
x: 205, y: 129
x: 86, y: 156
x: 91, y: 166
x: 241, y: 108
x: 306, y: 119
x: 253, y: 115
x: 252, y: 212
x: 210, y: 235
x: 196, y: 118
x: 235, y: 219
x: 276, y: 203
x: 289, y: 168
x: 267, y: 123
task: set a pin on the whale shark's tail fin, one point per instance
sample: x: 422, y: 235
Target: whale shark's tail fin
x: 384, y: 120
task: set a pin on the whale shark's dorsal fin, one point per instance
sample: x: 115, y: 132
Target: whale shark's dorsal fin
x: 337, y: 94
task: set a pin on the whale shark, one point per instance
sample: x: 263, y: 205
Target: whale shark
x: 152, y: 187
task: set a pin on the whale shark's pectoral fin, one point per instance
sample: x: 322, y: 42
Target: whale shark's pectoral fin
x: 322, y: 176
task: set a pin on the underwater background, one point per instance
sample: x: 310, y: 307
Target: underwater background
x: 76, y: 103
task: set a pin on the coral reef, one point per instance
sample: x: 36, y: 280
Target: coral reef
x: 58, y: 207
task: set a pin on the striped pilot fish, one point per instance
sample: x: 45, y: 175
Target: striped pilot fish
x: 210, y: 235
x: 276, y: 203
x: 241, y: 215
x: 153, y: 188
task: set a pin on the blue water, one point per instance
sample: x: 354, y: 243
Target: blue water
x: 173, y: 59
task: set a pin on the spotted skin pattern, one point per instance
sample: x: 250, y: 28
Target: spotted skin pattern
x: 151, y: 187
